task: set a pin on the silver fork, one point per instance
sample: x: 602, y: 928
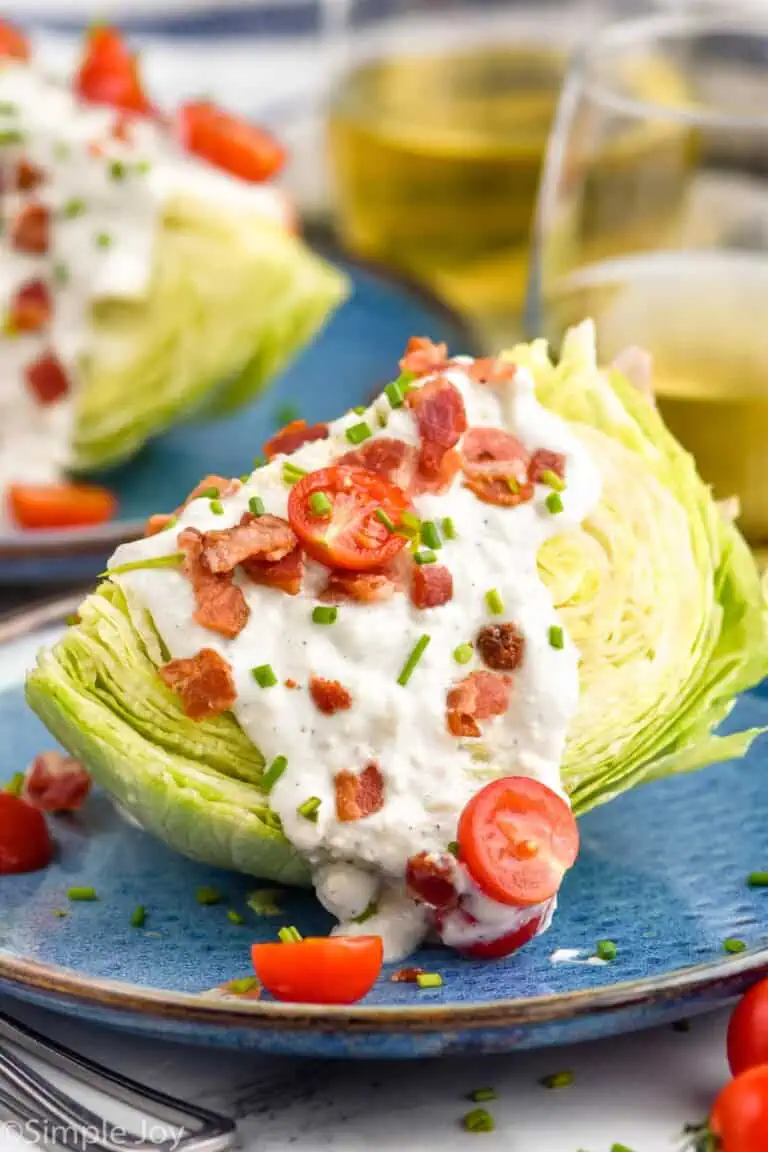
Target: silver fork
x: 51, y: 1116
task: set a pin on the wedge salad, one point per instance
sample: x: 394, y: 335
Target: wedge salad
x: 149, y: 269
x: 403, y: 655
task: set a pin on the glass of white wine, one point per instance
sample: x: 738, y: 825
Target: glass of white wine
x: 653, y: 220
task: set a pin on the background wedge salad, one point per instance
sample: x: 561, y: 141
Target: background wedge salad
x: 149, y: 270
x: 398, y: 659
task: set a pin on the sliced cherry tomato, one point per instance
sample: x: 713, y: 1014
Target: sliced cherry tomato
x: 60, y: 505
x: 517, y: 839
x: 349, y: 535
x: 320, y: 970
x: 504, y: 945
x: 109, y: 74
x: 748, y: 1030
x: 229, y: 142
x: 25, y: 843
x: 13, y: 42
x: 739, y: 1120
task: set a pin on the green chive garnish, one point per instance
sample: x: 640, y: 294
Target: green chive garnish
x: 429, y: 980
x: 513, y: 485
x: 758, y: 880
x: 425, y: 557
x: 430, y: 537
x: 245, y: 477
x: 494, y: 602
x: 81, y: 894
x: 463, y: 654
x: 7, y: 108
x: 292, y: 472
x: 60, y: 914
x: 606, y: 950
x: 256, y: 506
x: 235, y: 917
x: 60, y: 274
x: 61, y: 151
x: 479, y: 1120
x: 370, y: 911
x: 290, y: 935
x: 409, y: 526
x: 552, y: 480
x: 264, y: 901
x: 359, y: 410
x: 556, y: 636
x: 394, y: 393
x: 554, y: 503
x: 453, y: 848
x: 74, y: 208
x: 207, y: 895
x: 410, y: 664
x: 449, y: 528
x: 286, y: 414
x: 216, y: 507
x: 11, y: 136
x: 734, y: 946
x: 382, y: 517
x: 72, y: 620
x: 264, y: 676
x: 259, y: 461
x: 211, y: 493
x: 242, y: 986
x: 319, y: 504
x: 139, y: 917
x: 557, y: 1080
x: 171, y: 561
x: 103, y: 240
x: 482, y: 1095
x: 310, y: 808
x: 117, y: 170
x: 324, y: 614
x: 15, y: 785
x: 357, y: 433
x: 143, y: 167
x: 273, y: 773
x: 620, y: 1148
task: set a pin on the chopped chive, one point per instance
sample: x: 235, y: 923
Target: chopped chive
x: 370, y: 911
x: 482, y: 1095
x: 216, y: 507
x: 273, y: 773
x: 8, y: 108
x: 606, y: 950
x: 11, y: 136
x: 425, y: 557
x: 81, y: 894
x: 734, y: 946
x: 61, y: 151
x: 242, y: 986
x: 758, y: 880
x: 449, y: 528
x: 620, y: 1148
x: 235, y: 917
x: 410, y: 664
x: 143, y: 167
x: 60, y: 913
x: 463, y: 654
x: 264, y: 676
x: 74, y: 208
x: 320, y: 504
x: 264, y: 901
x: 117, y: 169
x: 256, y: 506
x: 409, y: 525
x: 245, y: 477
x: 60, y: 274
x: 211, y: 493
x: 453, y: 848
x: 381, y: 419
x: 554, y: 503
x: 394, y: 393
x: 494, y: 602
x: 556, y: 636
x: 171, y: 561
x: 430, y: 537
x: 552, y: 480
x: 357, y: 433
x: 513, y: 485
x: 292, y: 472
x: 323, y: 614
x: 558, y: 1080
x: 286, y: 414
x: 103, y: 240
x: 139, y: 917
x: 382, y: 517
x: 429, y: 980
x: 259, y: 461
x: 290, y: 935
x: 310, y: 808
x: 208, y: 895
x: 15, y: 785
x: 360, y: 409
x: 479, y: 1120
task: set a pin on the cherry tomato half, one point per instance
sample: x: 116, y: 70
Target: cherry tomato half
x: 748, y: 1030
x: 320, y: 970
x: 229, y: 142
x: 60, y: 505
x: 109, y: 74
x: 349, y: 535
x: 504, y: 945
x: 739, y: 1118
x: 13, y: 42
x: 518, y: 838
x: 25, y: 843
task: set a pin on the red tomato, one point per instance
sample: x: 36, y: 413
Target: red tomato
x: 56, y: 783
x: 25, y: 844
x: 60, y: 505
x: 740, y: 1116
x: 429, y: 878
x: 748, y: 1030
x: 350, y: 535
x: 518, y: 838
x: 229, y: 142
x: 505, y: 945
x: 13, y: 43
x: 109, y: 74
x: 320, y: 970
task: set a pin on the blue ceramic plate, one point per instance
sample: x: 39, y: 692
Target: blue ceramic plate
x: 662, y: 873
x: 355, y: 355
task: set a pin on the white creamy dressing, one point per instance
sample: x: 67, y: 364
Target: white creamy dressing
x: 428, y: 774
x: 103, y: 232
x: 576, y: 956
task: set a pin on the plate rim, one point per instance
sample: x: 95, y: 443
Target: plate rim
x: 196, y: 1009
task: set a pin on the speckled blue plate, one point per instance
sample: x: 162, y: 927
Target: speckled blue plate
x: 356, y: 354
x: 662, y: 873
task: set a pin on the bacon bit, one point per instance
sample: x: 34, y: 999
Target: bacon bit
x: 423, y: 357
x: 393, y: 460
x: 366, y: 587
x: 31, y: 230
x: 46, y: 379
x: 329, y: 696
x: 266, y: 537
x: 358, y: 796
x: 225, y: 488
x: 157, y: 523
x: 56, y: 783
x: 491, y: 459
x: 221, y: 605
x: 478, y: 697
x: 205, y: 683
x: 429, y: 878
x: 501, y: 646
x: 442, y: 478
x: 291, y: 683
x: 491, y: 371
x: 431, y: 585
x: 441, y: 419
x: 291, y: 437
x: 31, y: 308
x: 286, y: 575
x: 407, y: 975
x: 545, y: 461
x: 28, y: 176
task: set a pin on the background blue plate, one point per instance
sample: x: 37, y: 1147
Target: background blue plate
x: 662, y: 873
x: 355, y: 355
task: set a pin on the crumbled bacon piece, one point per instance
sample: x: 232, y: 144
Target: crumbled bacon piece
x: 224, y: 487
x: 291, y: 683
x: 441, y: 419
x: 495, y: 465
x: 221, y: 605
x: 157, y: 523
x: 440, y: 480
x: 28, y: 176
x: 31, y: 230
x: 478, y: 697
x: 122, y: 129
x: 266, y: 537
x: 31, y: 308
x: 329, y: 695
x: 545, y: 461
x: 367, y: 587
x: 407, y: 975
x: 358, y: 796
x: 422, y: 356
x: 291, y: 437
x: 501, y: 646
x: 286, y: 574
x: 56, y: 783
x: 429, y: 878
x: 46, y: 379
x: 431, y: 585
x: 391, y: 459
x: 205, y: 683
x: 492, y: 371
